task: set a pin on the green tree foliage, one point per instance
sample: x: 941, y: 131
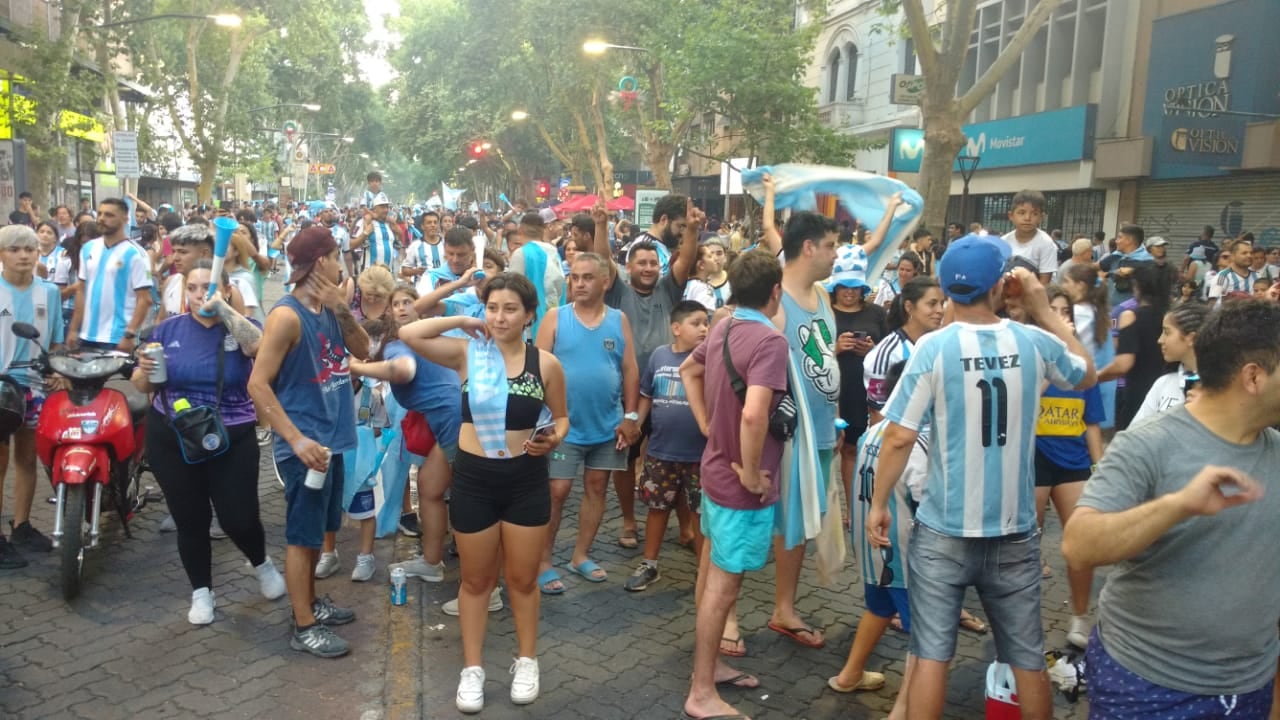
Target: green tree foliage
x: 207, y: 78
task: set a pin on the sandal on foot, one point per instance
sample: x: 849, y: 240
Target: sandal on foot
x: 973, y: 624
x: 869, y: 681
x: 545, y: 579
x: 687, y: 716
x: 744, y: 681
x: 587, y: 569
x: 628, y: 540
x: 794, y: 634
x: 736, y: 642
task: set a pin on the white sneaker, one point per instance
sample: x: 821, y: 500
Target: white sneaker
x: 1078, y: 635
x: 495, y: 603
x: 420, y: 568
x: 524, y: 687
x: 201, y: 612
x: 328, y: 565
x: 470, y: 697
x: 270, y: 581
x: 215, y: 530
x: 364, y: 568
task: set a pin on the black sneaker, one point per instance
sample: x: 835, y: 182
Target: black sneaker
x: 410, y: 526
x: 642, y: 578
x: 29, y: 538
x: 329, y: 614
x: 10, y: 558
x: 319, y: 641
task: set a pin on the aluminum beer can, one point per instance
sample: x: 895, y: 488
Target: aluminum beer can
x: 399, y: 586
x: 315, y: 478
x: 159, y: 375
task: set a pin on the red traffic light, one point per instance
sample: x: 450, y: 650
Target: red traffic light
x: 544, y: 188
x: 478, y: 149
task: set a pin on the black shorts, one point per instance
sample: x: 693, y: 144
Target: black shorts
x: 633, y: 452
x: 486, y: 491
x: 1049, y: 474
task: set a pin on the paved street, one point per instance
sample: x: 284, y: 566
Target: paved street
x: 124, y: 649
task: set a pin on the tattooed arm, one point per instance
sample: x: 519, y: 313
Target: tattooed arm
x: 246, y: 333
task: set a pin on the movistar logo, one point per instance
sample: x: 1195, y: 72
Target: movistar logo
x: 910, y: 148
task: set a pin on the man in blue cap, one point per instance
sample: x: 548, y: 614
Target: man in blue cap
x: 977, y: 383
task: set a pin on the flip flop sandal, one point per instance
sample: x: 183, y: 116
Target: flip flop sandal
x: 740, y: 681
x: 733, y: 653
x: 629, y: 540
x: 869, y: 681
x: 547, y: 577
x: 794, y: 634
x: 687, y: 716
x: 587, y: 570
x: 974, y: 625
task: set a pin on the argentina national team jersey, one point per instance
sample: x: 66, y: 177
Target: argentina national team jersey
x: 978, y: 387
x: 382, y: 245
x: 39, y: 304
x: 111, y: 276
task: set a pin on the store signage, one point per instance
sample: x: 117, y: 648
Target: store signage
x: 906, y: 89
x: 1048, y: 137
x: 1205, y: 67
x: 322, y: 169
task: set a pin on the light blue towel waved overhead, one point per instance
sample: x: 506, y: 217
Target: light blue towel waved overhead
x: 864, y: 195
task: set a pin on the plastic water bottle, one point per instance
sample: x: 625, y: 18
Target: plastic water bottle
x: 399, y: 586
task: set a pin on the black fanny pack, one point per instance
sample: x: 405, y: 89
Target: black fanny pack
x: 784, y: 418
x: 201, y: 433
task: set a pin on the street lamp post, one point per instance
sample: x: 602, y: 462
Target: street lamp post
x: 968, y: 164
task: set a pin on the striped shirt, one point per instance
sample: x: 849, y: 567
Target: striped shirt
x: 422, y: 254
x: 381, y: 245
x: 875, y: 367
x: 1229, y: 281
x: 39, y: 304
x: 978, y: 387
x: 111, y: 275
x: 906, y: 495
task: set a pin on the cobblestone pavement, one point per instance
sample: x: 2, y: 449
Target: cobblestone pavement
x: 124, y: 649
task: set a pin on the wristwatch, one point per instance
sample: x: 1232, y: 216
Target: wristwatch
x: 130, y: 335
x: 632, y: 416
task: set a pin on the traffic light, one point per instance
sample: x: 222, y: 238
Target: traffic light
x: 478, y: 149
x: 543, y: 188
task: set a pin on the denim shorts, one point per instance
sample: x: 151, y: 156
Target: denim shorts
x: 740, y: 539
x: 1006, y: 573
x: 1115, y: 693
x: 568, y: 460
x: 309, y: 514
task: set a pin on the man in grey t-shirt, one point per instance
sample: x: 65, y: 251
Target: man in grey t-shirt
x: 647, y: 299
x: 1178, y: 505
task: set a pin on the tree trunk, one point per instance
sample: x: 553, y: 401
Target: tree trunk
x: 659, y: 158
x: 208, y: 173
x: 942, y: 142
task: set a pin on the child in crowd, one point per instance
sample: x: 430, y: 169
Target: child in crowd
x: 671, y: 464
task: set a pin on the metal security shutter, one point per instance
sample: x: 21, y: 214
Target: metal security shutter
x: 1178, y: 209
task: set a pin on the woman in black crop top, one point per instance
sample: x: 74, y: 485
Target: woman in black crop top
x: 501, y: 497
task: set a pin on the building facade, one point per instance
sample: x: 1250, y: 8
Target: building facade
x: 1203, y: 140
x: 1038, y: 129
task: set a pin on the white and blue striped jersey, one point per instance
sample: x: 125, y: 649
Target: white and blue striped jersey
x: 422, y: 254
x: 50, y: 261
x: 381, y: 246
x: 341, y: 236
x: 978, y: 388
x: 39, y: 304
x: 110, y: 276
x: 1228, y: 281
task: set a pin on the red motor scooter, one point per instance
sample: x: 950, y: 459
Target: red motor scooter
x: 90, y: 440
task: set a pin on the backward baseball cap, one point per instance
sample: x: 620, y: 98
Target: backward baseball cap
x: 307, y: 247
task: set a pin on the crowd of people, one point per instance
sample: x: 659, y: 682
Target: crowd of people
x: 726, y: 376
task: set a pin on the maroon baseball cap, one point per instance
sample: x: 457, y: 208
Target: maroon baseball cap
x: 306, y: 248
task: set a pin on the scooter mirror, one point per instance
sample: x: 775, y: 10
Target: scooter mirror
x: 26, y: 331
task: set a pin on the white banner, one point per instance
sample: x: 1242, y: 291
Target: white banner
x: 124, y: 145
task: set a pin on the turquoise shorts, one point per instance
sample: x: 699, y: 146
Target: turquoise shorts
x: 740, y: 539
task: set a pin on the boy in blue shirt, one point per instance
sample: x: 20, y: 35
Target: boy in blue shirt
x: 674, y: 456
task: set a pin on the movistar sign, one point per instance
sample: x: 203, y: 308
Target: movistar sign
x: 1047, y: 137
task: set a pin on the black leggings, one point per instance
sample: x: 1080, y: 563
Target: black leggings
x: 229, y: 481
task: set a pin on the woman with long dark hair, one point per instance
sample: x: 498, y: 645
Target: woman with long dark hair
x: 917, y: 310
x: 66, y: 274
x: 1138, y: 357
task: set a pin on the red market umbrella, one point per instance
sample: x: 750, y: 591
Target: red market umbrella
x: 621, y: 203
x: 577, y: 203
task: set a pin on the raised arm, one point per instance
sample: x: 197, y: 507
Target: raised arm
x: 770, y: 237
x: 424, y: 338
x: 600, y: 244
x: 877, y: 236
x: 685, y: 259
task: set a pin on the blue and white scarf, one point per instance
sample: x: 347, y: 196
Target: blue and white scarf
x: 487, y: 396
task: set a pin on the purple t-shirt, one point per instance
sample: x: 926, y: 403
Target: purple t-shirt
x: 759, y: 354
x: 191, y: 359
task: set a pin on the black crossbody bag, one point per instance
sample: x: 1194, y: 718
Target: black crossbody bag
x: 784, y: 418
x: 201, y: 433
